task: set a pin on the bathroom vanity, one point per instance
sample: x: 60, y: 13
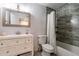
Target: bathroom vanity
x: 11, y: 45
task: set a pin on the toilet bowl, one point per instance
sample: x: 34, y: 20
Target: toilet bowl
x: 47, y: 49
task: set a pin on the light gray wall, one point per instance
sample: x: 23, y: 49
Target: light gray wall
x: 38, y: 21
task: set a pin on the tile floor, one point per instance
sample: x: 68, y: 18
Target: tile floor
x: 36, y: 54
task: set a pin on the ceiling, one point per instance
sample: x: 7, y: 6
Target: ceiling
x: 53, y: 5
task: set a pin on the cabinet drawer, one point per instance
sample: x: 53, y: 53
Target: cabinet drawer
x: 10, y: 42
x: 15, y: 50
x: 8, y: 51
x: 23, y: 48
x: 19, y: 41
x: 29, y: 40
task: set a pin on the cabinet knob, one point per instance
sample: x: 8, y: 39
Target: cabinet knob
x: 25, y: 47
x: 17, y: 41
x: 28, y: 40
x: 7, y: 51
x: 1, y: 43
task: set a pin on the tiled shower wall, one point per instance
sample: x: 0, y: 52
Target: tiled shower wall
x: 67, y: 26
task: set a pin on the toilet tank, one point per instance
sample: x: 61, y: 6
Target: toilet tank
x: 42, y: 39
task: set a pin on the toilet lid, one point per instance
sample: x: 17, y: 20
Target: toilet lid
x: 48, y: 46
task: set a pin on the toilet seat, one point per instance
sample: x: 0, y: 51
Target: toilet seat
x: 47, y: 48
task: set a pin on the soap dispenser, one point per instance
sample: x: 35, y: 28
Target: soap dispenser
x: 27, y: 32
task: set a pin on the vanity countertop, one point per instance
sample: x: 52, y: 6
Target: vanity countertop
x: 15, y: 36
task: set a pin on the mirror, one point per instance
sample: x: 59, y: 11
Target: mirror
x: 15, y: 18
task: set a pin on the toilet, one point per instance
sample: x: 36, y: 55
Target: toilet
x: 47, y: 49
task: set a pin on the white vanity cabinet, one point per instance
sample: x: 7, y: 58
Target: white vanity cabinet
x: 16, y: 44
